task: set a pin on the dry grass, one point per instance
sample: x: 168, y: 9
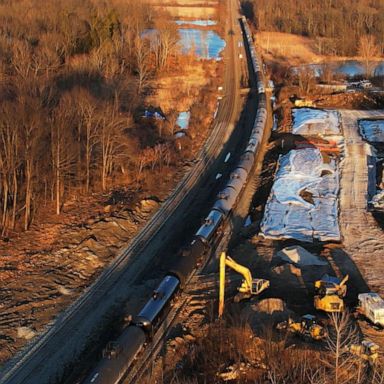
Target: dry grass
x: 289, y: 48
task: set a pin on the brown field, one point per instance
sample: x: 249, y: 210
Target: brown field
x: 288, y: 48
x: 192, y: 9
x: 191, y: 12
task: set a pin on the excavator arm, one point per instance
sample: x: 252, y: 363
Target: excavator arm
x: 244, y: 271
x: 248, y: 287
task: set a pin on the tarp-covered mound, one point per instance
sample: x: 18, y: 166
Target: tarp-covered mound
x: 372, y: 130
x: 300, y: 256
x: 303, y: 200
x: 314, y: 122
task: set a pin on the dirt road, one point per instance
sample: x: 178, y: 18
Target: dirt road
x: 362, y: 237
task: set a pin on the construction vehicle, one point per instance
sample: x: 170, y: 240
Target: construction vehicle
x: 307, y: 327
x: 371, y: 306
x: 249, y: 286
x: 329, y: 293
x: 367, y: 350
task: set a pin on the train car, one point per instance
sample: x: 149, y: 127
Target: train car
x: 211, y: 223
x: 226, y: 200
x: 158, y: 305
x: 189, y: 259
x: 117, y: 357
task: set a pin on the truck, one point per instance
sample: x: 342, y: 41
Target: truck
x: 371, y: 306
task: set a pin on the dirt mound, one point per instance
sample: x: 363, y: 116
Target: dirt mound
x: 270, y: 306
x: 267, y: 311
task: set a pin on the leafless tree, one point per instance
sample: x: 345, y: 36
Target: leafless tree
x: 62, y: 148
x: 142, y: 55
x: 92, y: 123
x: 341, y: 335
x: 112, y: 139
x: 368, y: 49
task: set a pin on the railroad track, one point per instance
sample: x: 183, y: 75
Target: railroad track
x: 234, y: 222
x: 34, y: 363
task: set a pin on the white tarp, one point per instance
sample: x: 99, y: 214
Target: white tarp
x: 303, y: 201
x: 300, y: 256
x: 372, y: 130
x: 312, y: 121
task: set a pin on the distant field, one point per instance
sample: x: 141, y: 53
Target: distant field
x: 187, y: 3
x: 195, y: 9
x: 288, y: 48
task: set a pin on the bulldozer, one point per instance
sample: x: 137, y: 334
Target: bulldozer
x: 367, y: 350
x: 249, y: 286
x: 329, y: 293
x: 307, y: 327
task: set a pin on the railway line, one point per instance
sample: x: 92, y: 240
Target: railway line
x: 142, y: 337
x: 46, y: 358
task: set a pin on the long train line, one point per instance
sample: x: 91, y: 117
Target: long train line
x: 121, y: 354
x: 27, y: 366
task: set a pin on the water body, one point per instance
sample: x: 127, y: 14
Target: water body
x: 206, y: 44
x: 183, y: 119
x: 199, y: 23
x: 348, y: 68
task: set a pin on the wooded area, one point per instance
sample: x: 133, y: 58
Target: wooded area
x: 337, y: 25
x: 72, y: 76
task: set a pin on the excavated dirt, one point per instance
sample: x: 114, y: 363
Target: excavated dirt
x: 292, y: 284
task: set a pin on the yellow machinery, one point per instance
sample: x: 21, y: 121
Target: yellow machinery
x: 248, y: 286
x: 329, y: 294
x: 367, y: 350
x: 307, y: 327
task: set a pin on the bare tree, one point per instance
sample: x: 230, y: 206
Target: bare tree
x: 368, y: 49
x: 9, y: 164
x: 165, y: 42
x: 341, y: 334
x: 31, y: 135
x: 62, y: 145
x: 92, y: 124
x: 111, y: 138
x: 306, y: 79
x: 142, y: 55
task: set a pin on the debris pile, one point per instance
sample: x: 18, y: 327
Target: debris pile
x: 315, y: 122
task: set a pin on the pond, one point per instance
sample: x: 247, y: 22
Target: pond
x: 183, y: 120
x: 198, y: 23
x: 206, y: 44
x: 348, y: 68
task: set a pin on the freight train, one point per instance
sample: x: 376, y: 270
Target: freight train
x: 118, y: 356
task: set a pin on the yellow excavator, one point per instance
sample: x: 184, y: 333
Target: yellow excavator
x: 329, y: 293
x: 249, y: 286
x: 307, y: 327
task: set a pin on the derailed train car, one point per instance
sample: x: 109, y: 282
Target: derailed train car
x: 119, y: 355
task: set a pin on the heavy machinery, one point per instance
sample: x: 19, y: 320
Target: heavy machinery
x: 329, y: 293
x: 248, y: 286
x: 371, y: 306
x: 307, y: 327
x: 367, y: 350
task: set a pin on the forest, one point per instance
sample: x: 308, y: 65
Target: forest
x: 337, y: 25
x: 72, y: 77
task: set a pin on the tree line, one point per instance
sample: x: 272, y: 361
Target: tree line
x: 337, y: 25
x: 72, y: 74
